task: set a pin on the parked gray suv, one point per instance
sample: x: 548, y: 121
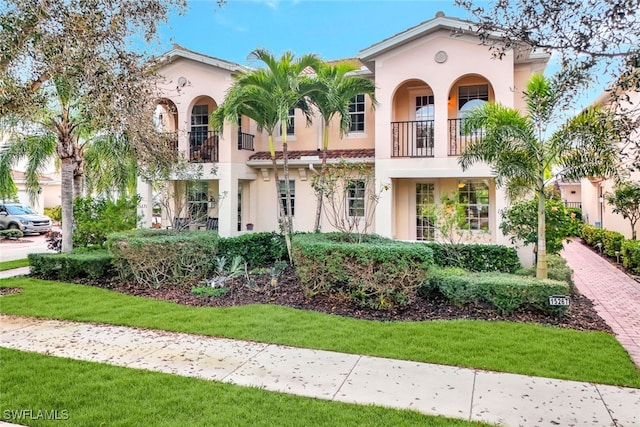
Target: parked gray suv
x: 17, y: 216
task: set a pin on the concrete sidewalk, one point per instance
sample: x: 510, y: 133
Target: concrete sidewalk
x: 508, y: 399
x: 615, y: 295
x: 22, y: 271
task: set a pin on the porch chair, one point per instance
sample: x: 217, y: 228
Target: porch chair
x: 180, y: 224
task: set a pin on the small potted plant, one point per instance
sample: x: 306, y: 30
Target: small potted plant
x: 249, y: 226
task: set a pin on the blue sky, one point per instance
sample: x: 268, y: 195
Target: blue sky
x: 332, y: 29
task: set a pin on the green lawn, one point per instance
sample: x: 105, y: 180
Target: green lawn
x: 93, y: 394
x: 499, y: 346
x: 10, y: 265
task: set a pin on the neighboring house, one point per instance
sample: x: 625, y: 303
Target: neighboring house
x: 47, y: 197
x: 426, y: 78
x: 595, y: 208
x: 570, y: 193
x: 49, y: 194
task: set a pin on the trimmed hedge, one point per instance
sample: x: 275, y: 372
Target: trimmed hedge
x: 157, y: 257
x: 257, y: 249
x: 475, y: 257
x: 76, y: 265
x: 631, y: 255
x: 505, y: 292
x: 557, y: 269
x: 381, y: 274
x: 611, y: 240
x: 11, y: 233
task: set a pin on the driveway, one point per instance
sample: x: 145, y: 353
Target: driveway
x: 10, y: 251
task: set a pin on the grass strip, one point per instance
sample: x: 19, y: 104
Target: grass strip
x: 520, y: 348
x: 10, y: 265
x: 94, y: 394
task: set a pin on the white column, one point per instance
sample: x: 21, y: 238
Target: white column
x: 384, y: 211
x: 228, y: 205
x: 145, y: 206
x: 441, y: 124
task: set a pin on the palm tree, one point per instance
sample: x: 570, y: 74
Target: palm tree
x: 514, y: 145
x: 266, y: 95
x: 111, y: 167
x: 62, y: 134
x: 336, y: 88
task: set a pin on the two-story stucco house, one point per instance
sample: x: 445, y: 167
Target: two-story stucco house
x: 426, y: 78
x: 595, y: 208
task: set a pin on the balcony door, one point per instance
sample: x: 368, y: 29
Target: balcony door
x: 423, y: 116
x: 199, y: 132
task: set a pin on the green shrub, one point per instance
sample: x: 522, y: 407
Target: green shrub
x: 12, y: 234
x: 505, y: 292
x: 611, y: 241
x: 54, y: 213
x: 592, y: 235
x: 631, y: 255
x: 379, y: 275
x: 475, y: 257
x: 95, y: 218
x: 257, y: 249
x: 93, y: 265
x: 557, y: 269
x: 520, y: 221
x: 454, y: 284
x: 158, y: 257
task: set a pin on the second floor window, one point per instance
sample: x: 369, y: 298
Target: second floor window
x: 283, y: 195
x: 356, y: 199
x: 356, y: 113
x: 472, y: 95
x: 200, y: 119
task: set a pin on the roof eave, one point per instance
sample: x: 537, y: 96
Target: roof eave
x: 179, y: 52
x: 310, y: 161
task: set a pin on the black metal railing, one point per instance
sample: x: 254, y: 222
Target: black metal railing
x: 458, y: 139
x: 412, y: 139
x: 172, y: 140
x: 573, y: 205
x: 203, y: 146
x: 245, y: 141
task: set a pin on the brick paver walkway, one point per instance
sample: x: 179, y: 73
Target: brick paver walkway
x: 616, y: 296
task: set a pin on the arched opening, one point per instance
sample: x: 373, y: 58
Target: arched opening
x: 468, y: 92
x: 412, y: 126
x: 203, y: 142
x: 166, y: 121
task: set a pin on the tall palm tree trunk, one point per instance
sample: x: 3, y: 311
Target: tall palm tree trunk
x: 323, y: 167
x: 66, y: 202
x: 282, y: 218
x: 541, y: 264
x: 78, y: 178
x: 287, y: 189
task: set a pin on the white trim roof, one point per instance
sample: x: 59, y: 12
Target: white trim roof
x: 456, y: 26
x: 182, y: 52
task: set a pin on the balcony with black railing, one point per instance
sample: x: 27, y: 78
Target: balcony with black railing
x: 203, y: 146
x: 412, y: 138
x: 245, y: 141
x: 458, y: 139
x: 171, y: 139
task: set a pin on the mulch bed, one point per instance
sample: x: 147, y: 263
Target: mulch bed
x: 581, y: 315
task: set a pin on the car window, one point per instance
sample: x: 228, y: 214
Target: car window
x: 18, y: 210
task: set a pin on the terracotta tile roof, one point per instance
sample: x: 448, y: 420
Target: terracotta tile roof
x: 331, y: 154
